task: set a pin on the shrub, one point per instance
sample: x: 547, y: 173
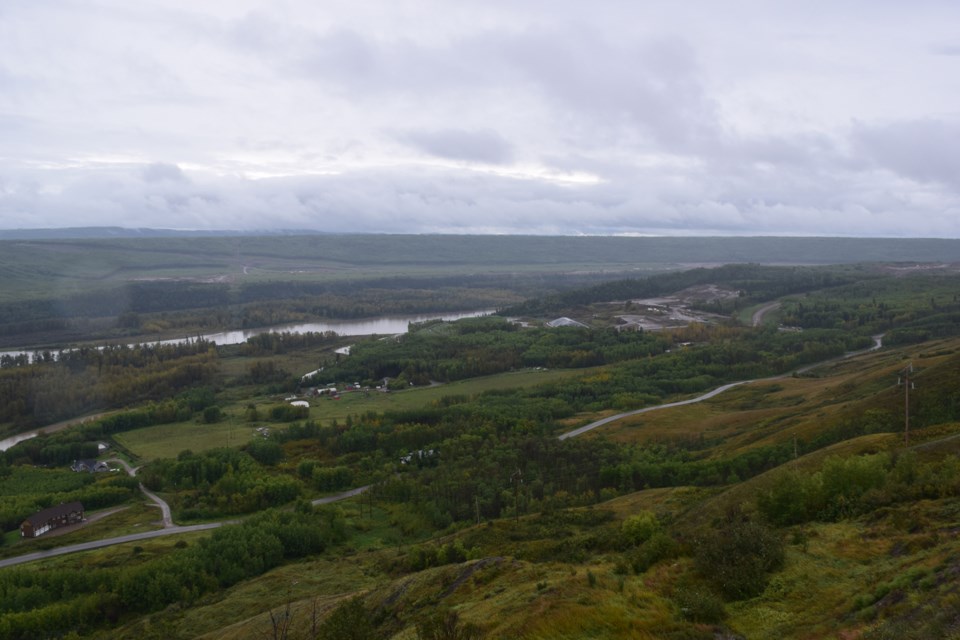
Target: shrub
x: 212, y: 414
x: 794, y: 498
x: 349, y: 621
x: 659, y: 547
x: 447, y: 626
x: 638, y: 528
x: 737, y: 556
x: 700, y: 605
x: 265, y: 452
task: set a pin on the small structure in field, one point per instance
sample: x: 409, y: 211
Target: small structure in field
x: 51, y: 518
x: 92, y: 466
x: 566, y: 322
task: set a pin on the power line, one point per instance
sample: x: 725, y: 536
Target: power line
x: 907, y: 384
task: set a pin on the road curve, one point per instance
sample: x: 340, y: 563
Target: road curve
x: 340, y: 496
x: 877, y: 343
x: 173, y: 529
x: 107, y: 542
x: 146, y: 535
x: 635, y: 412
x: 166, y: 515
x: 164, y: 507
x: 757, y: 318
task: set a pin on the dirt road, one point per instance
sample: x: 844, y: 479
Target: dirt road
x: 757, y: 318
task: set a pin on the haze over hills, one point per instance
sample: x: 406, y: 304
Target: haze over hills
x: 358, y: 248
x: 76, y: 233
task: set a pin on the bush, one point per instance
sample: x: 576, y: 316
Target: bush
x: 700, y: 605
x: 447, y: 626
x: 265, y: 452
x: 659, y: 547
x: 212, y: 414
x: 737, y: 556
x: 794, y: 498
x: 638, y: 528
x: 349, y: 621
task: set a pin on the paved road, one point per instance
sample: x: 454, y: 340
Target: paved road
x: 6, y: 443
x: 98, y: 544
x: 341, y: 496
x: 172, y: 529
x: 168, y: 529
x: 600, y: 423
x: 757, y: 318
x: 877, y: 343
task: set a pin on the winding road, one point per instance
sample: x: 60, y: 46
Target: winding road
x: 757, y: 318
x: 167, y: 516
x: 171, y: 528
x: 877, y: 343
x: 97, y: 544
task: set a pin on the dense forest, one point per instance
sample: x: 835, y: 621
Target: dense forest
x: 73, y: 382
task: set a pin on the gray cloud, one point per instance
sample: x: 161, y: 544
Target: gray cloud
x: 160, y: 171
x: 457, y: 144
x: 947, y: 49
x: 540, y: 117
x: 450, y: 201
x: 922, y: 150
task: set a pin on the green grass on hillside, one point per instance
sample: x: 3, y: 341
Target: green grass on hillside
x: 168, y: 440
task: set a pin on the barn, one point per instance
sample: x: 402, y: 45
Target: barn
x: 51, y: 518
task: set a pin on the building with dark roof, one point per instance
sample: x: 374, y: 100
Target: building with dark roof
x: 89, y: 465
x: 51, y: 518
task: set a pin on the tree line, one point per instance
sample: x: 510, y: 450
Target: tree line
x: 73, y: 382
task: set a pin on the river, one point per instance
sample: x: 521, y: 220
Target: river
x: 386, y: 325
x: 382, y: 325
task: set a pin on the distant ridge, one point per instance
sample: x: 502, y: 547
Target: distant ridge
x: 614, y: 252
x: 98, y: 233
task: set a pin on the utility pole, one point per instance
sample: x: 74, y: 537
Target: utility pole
x: 904, y: 380
x: 517, y: 478
x: 476, y: 502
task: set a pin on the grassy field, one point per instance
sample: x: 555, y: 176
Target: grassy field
x: 358, y: 403
x: 168, y: 440
x: 774, y: 411
x: 132, y: 518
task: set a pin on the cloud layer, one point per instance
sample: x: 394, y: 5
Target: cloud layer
x: 483, y: 117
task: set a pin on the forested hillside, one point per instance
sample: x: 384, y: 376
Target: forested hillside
x: 789, y: 505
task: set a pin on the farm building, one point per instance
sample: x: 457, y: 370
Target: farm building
x: 89, y: 465
x: 51, y: 518
x: 566, y: 322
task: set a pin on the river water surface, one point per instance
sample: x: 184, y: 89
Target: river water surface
x: 386, y: 325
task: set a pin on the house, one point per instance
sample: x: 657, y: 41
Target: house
x: 566, y: 322
x: 51, y: 518
x: 89, y: 465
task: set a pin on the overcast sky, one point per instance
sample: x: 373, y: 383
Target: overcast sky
x: 839, y: 117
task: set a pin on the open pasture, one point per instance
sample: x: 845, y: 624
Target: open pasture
x: 168, y: 440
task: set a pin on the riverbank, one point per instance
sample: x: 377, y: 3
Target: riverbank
x: 376, y: 325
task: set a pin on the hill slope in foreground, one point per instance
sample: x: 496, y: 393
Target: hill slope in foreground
x: 859, y: 539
